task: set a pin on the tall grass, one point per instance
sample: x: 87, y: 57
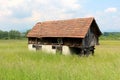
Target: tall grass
x: 18, y: 63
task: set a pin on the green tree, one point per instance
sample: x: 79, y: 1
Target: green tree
x: 13, y: 34
x: 5, y: 35
x: 1, y: 34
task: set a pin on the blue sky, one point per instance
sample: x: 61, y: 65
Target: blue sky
x: 24, y: 14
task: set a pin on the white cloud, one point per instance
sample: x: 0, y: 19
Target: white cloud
x: 28, y: 11
x: 109, y: 10
x: 17, y: 8
x: 17, y: 14
x: 89, y: 15
x: 10, y: 3
x: 5, y: 12
x: 72, y: 4
x: 6, y: 7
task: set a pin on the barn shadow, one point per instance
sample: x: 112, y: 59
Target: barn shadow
x: 80, y: 52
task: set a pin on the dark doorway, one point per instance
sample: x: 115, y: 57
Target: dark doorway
x: 75, y: 50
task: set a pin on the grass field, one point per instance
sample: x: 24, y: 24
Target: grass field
x: 17, y: 63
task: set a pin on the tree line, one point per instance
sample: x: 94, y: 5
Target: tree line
x: 15, y: 34
x: 110, y: 36
x: 12, y: 34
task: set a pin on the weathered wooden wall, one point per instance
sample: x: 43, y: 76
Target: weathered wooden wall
x: 91, y: 38
x: 72, y: 42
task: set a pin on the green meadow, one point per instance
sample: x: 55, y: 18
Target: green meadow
x: 18, y: 63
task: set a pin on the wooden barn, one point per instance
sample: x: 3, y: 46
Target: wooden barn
x: 77, y: 36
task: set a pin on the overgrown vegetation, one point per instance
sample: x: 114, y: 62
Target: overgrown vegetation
x: 17, y: 63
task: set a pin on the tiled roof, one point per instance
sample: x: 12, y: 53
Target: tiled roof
x: 76, y: 28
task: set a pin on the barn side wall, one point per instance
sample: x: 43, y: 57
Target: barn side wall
x: 48, y: 48
x: 90, y: 39
x: 30, y: 47
x: 66, y: 50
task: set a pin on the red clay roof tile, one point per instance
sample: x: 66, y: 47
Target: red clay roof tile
x: 62, y: 28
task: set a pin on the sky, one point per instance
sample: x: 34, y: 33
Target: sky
x: 24, y: 14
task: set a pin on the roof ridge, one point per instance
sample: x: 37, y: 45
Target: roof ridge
x: 49, y: 21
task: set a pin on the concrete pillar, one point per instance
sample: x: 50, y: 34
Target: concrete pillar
x: 66, y: 50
